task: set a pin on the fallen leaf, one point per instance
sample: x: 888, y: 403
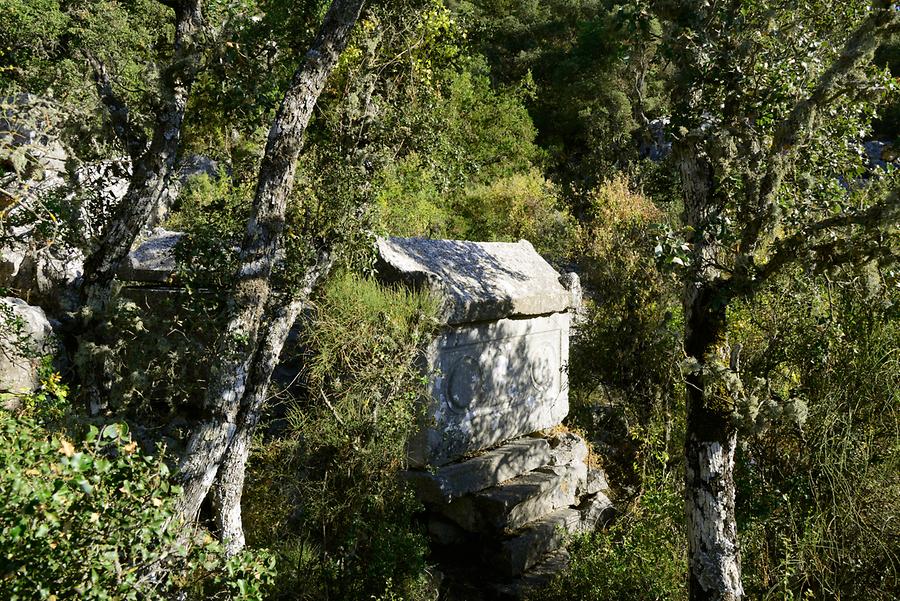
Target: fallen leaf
x: 67, y: 449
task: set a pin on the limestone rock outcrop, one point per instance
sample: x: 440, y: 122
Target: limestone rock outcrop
x: 27, y: 337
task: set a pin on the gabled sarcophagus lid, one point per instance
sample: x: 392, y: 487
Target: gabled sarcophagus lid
x: 497, y: 366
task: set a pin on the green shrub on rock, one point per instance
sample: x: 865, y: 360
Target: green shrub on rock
x: 642, y: 556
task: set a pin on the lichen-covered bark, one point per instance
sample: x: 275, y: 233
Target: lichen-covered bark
x: 710, y: 437
x: 229, y: 484
x: 152, y: 167
x: 710, y: 442
x: 153, y: 164
x: 208, y: 444
x: 712, y: 536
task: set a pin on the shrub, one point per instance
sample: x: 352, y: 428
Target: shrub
x: 408, y: 200
x: 328, y: 495
x: 91, y: 520
x: 523, y: 205
x: 641, y: 557
x: 623, y: 365
x: 818, y: 498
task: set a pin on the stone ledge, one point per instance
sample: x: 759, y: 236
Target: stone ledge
x: 520, y: 552
x: 479, y: 281
x: 513, y: 504
x: 536, y: 577
x: 453, y: 481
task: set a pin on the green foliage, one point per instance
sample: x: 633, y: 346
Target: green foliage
x: 212, y: 213
x: 50, y: 403
x: 520, y: 206
x: 42, y: 51
x: 157, y: 355
x: 642, y: 556
x: 409, y: 202
x: 624, y: 357
x: 594, y: 66
x: 91, y: 520
x: 821, y: 518
x: 626, y: 394
x: 467, y: 138
x: 328, y: 495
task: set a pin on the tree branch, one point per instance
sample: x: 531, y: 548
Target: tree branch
x: 858, y: 49
x: 804, y: 243
x: 131, y: 137
x: 280, y: 317
x: 262, y: 241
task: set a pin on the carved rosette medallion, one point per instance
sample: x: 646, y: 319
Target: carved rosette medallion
x: 544, y: 367
x: 465, y: 382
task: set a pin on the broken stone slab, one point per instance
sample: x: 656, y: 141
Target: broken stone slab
x: 520, y: 552
x: 478, y: 281
x: 445, y: 532
x: 567, y: 448
x: 596, y: 511
x: 517, y: 504
x: 510, y: 505
x: 488, y: 469
x: 537, y: 577
x: 153, y: 259
x: 594, y: 483
x: 492, y: 382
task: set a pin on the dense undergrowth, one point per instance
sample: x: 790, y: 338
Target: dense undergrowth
x: 479, y: 119
x: 817, y: 476
x: 88, y: 515
x: 326, y: 494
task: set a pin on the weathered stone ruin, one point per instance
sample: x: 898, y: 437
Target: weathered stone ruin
x: 503, y: 483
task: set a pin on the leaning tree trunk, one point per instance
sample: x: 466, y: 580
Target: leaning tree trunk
x: 152, y: 166
x: 229, y: 484
x: 262, y: 241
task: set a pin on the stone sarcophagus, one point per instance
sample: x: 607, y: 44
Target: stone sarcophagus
x: 497, y: 367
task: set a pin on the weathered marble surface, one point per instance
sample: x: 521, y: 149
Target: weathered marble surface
x: 152, y: 259
x: 491, y: 382
x: 452, y: 482
x: 479, y: 281
x: 498, y: 365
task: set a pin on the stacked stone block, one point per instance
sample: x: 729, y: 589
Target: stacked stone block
x: 504, y: 486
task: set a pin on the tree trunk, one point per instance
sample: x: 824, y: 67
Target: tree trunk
x: 262, y: 241
x: 710, y: 441
x: 152, y: 168
x: 710, y: 438
x: 229, y: 485
x: 153, y: 164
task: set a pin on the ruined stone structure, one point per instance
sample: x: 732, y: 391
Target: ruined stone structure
x: 503, y: 484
